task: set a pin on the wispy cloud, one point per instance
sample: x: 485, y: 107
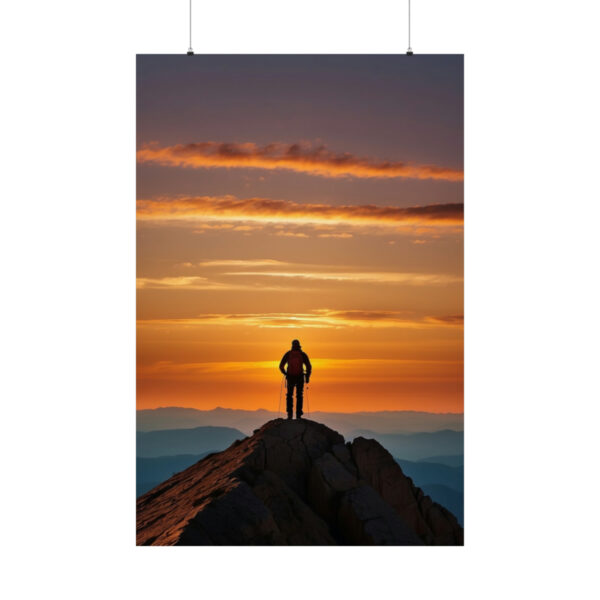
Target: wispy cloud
x: 203, y: 283
x: 342, y: 236
x: 292, y: 234
x: 223, y: 212
x: 446, y: 320
x: 270, y: 274
x: 261, y: 262
x: 357, y: 276
x: 202, y: 227
x: 299, y: 157
x: 316, y: 319
x: 198, y: 283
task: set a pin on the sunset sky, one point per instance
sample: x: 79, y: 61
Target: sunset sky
x: 309, y: 197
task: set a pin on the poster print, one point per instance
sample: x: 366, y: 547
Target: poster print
x: 299, y: 300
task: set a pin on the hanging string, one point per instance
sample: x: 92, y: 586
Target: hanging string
x: 190, y: 51
x: 409, y: 51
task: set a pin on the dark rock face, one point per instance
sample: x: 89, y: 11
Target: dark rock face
x: 294, y: 483
x: 432, y: 522
x: 365, y: 518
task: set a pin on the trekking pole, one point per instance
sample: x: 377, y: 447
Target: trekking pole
x: 280, y: 392
x: 308, y: 400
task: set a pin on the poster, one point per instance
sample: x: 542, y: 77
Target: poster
x: 299, y: 300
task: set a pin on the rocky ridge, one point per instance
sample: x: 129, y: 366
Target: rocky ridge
x: 294, y: 483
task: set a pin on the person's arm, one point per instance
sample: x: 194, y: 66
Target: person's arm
x: 308, y: 366
x: 283, y: 363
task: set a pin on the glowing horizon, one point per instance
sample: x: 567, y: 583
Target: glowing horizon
x: 219, y: 407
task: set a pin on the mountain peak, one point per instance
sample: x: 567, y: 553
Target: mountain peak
x: 294, y: 482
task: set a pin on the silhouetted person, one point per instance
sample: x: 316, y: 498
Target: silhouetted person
x: 295, y: 375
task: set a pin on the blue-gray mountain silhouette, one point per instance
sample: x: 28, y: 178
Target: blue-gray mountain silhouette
x: 387, y: 421
x: 150, y: 472
x: 170, y: 442
x: 416, y: 446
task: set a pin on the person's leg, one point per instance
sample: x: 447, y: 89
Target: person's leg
x: 299, y: 396
x: 288, y: 397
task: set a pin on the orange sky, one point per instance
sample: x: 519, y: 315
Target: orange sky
x: 353, y: 247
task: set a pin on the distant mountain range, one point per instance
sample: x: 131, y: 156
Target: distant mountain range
x: 416, y: 446
x: 247, y: 421
x: 457, y: 460
x: 424, y: 473
x: 150, y: 472
x: 199, y: 440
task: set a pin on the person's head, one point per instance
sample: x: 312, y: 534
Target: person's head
x: 296, y: 345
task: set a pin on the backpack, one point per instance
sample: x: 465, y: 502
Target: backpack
x: 295, y: 362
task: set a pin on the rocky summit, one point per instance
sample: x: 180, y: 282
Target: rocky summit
x: 294, y: 483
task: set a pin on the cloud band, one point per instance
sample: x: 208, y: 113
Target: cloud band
x: 230, y: 208
x: 298, y: 157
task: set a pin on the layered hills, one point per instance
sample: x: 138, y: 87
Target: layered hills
x: 294, y: 482
x: 196, y: 440
x: 388, y: 421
